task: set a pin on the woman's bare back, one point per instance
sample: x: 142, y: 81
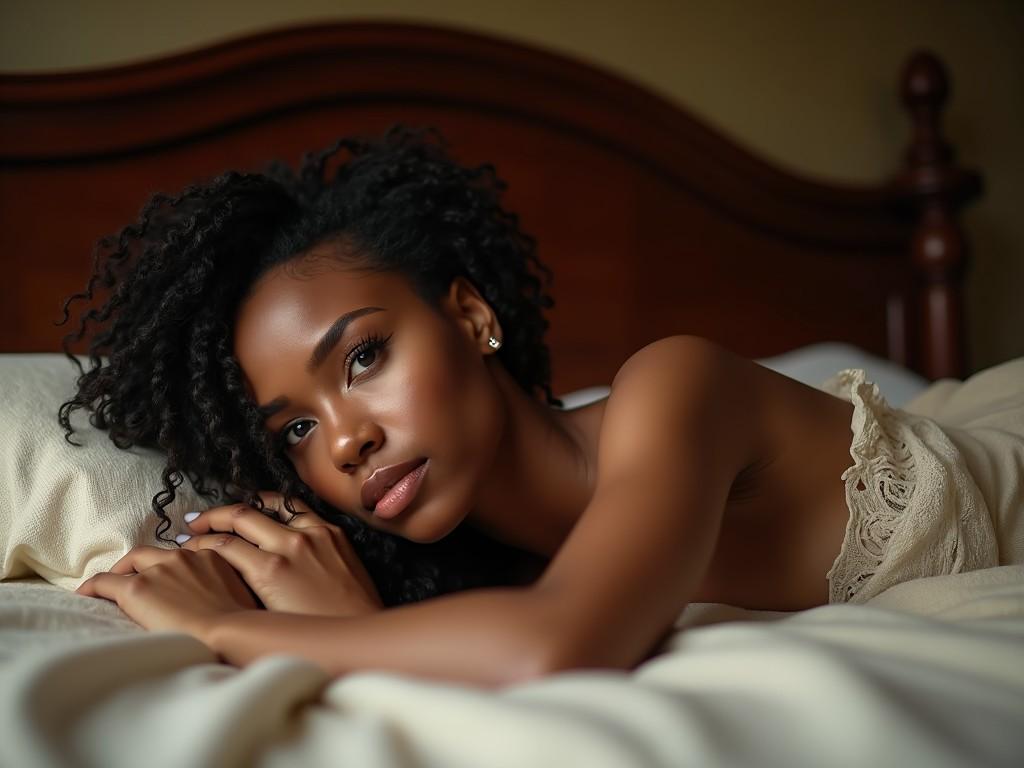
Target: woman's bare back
x: 785, y: 520
x: 786, y: 513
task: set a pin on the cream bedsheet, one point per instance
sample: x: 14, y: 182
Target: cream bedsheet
x: 929, y: 673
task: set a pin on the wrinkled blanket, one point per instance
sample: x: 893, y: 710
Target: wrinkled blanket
x: 930, y: 672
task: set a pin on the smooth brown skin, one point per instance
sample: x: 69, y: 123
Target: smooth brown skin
x: 702, y: 477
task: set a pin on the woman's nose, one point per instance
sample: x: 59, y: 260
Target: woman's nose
x: 351, y: 447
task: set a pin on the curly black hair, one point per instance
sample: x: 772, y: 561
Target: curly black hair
x: 160, y: 305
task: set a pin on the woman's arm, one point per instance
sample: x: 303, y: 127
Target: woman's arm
x: 680, y: 424
x: 489, y: 637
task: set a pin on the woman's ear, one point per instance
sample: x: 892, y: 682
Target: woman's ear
x: 472, y: 314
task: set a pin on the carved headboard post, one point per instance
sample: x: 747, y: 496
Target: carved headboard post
x: 938, y: 189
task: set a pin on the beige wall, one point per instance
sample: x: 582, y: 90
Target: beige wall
x: 745, y: 66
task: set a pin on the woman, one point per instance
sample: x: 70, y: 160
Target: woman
x: 357, y: 359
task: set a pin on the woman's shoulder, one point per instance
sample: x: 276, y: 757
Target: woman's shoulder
x: 659, y: 387
x: 679, y: 348
x: 679, y: 365
x: 682, y: 386
x: 691, y: 380
x: 693, y: 366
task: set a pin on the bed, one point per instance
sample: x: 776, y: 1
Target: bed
x: 665, y: 226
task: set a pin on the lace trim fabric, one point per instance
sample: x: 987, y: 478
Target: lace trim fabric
x: 915, y: 511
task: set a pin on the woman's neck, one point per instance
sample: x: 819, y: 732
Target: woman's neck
x: 543, y: 473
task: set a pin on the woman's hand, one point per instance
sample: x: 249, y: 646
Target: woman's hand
x: 305, y: 565
x: 172, y: 589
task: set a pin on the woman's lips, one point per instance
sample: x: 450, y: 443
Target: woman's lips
x: 389, y: 490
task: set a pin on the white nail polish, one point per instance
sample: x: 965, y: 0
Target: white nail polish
x: 191, y: 516
x: 181, y: 538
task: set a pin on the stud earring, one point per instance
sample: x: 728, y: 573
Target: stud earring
x: 494, y: 343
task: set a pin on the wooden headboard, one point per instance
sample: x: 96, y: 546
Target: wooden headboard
x: 652, y: 222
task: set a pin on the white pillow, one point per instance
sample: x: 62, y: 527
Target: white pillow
x: 815, y: 363
x: 67, y: 512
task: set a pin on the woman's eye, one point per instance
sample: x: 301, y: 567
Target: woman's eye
x: 364, y: 359
x: 297, y: 430
x: 366, y: 355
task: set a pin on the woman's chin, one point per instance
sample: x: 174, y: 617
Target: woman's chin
x: 426, y: 522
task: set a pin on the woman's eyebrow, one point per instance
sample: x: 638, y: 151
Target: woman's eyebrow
x: 330, y: 339
x: 275, y: 405
x: 320, y: 352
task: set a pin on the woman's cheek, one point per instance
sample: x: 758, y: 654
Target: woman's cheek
x: 412, y: 395
x: 314, y: 468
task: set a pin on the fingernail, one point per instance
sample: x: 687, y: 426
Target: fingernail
x: 191, y: 516
x: 181, y: 538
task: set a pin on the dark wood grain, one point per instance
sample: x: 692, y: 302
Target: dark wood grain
x: 937, y: 188
x: 652, y: 222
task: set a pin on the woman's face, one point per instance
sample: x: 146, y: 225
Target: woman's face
x: 404, y: 381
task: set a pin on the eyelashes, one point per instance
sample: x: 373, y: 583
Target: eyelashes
x: 369, y: 346
x: 373, y: 343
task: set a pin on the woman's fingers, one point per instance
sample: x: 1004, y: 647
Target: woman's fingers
x: 251, y: 542
x: 256, y: 526
x: 308, y: 566
x: 182, y: 591
x: 304, y: 516
x: 274, y: 501
x: 105, y: 585
x: 306, y: 519
x: 139, y: 559
x: 249, y: 523
x: 249, y: 560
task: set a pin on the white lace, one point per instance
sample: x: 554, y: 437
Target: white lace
x: 914, y: 508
